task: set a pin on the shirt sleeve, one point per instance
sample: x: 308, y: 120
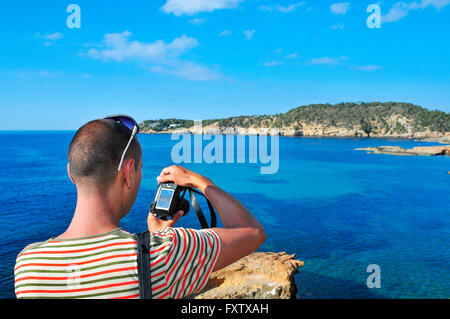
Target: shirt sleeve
x: 190, y: 261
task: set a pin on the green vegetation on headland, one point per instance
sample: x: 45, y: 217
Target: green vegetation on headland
x: 343, y: 119
x: 164, y: 125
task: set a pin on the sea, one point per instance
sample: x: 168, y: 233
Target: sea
x: 347, y: 214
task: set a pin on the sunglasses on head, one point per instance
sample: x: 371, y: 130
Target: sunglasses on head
x: 130, y: 124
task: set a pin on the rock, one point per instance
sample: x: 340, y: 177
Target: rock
x: 418, y: 150
x: 430, y: 150
x: 443, y: 138
x: 257, y: 276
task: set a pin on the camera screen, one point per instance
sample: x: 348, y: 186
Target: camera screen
x: 165, y: 196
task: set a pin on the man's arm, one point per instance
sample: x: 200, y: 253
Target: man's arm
x: 242, y: 233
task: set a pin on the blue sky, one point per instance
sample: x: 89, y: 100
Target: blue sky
x: 200, y: 59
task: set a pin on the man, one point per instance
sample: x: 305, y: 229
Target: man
x: 95, y: 258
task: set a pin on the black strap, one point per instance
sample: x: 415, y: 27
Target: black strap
x: 199, y: 212
x: 143, y: 259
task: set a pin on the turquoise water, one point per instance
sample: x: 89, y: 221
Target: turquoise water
x: 337, y: 209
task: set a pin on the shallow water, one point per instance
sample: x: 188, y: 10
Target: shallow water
x: 339, y: 210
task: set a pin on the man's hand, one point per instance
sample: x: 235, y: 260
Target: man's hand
x: 183, y: 177
x: 157, y: 224
x: 242, y: 233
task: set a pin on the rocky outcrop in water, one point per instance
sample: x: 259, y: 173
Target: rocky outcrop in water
x: 257, y: 276
x: 419, y: 150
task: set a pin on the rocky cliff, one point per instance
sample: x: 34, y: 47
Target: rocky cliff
x: 257, y: 276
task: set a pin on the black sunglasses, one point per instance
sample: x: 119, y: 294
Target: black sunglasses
x: 130, y: 124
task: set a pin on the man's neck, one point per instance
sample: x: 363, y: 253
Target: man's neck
x: 93, y: 215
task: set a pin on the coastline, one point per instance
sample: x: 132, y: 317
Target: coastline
x: 442, y: 139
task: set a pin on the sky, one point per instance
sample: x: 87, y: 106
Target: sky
x: 203, y: 59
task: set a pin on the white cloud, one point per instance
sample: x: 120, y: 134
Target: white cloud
x: 163, y: 57
x: 280, y: 8
x: 340, y: 8
x: 50, y: 37
x: 292, y: 56
x: 249, y: 34
x: 197, y: 21
x: 272, y: 63
x: 86, y: 76
x: 117, y: 47
x: 401, y: 9
x: 47, y: 74
x: 191, y: 7
x: 24, y: 74
x: 327, y: 60
x: 225, y: 33
x: 338, y: 26
x: 188, y: 70
x: 368, y: 68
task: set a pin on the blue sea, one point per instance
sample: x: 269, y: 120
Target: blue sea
x: 337, y: 209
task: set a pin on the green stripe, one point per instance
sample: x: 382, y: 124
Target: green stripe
x: 209, y: 258
x: 156, y: 281
x: 204, y: 270
x: 174, y: 257
x: 49, y: 245
x: 131, y: 249
x: 181, y: 265
x: 190, y: 279
x: 159, y: 241
x: 157, y: 268
x: 81, y: 269
x: 160, y: 293
x: 195, y: 268
x: 159, y: 254
x: 175, y: 253
x: 81, y: 282
x: 116, y: 232
x: 85, y: 296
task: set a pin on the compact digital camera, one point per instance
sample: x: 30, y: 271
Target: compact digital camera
x: 169, y: 199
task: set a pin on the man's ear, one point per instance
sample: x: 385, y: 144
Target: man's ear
x: 68, y: 172
x: 129, y: 172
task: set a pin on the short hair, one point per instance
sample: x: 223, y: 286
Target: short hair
x: 96, y: 149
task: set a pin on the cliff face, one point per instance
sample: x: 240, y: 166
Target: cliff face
x: 308, y: 130
x: 257, y: 276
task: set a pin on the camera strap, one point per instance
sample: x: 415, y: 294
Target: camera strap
x: 143, y: 261
x: 199, y: 212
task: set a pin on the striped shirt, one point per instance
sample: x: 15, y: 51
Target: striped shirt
x: 105, y: 266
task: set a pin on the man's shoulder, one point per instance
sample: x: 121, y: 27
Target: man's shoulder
x: 31, y: 246
x: 52, y: 243
x: 123, y: 233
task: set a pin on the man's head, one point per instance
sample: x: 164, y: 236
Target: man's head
x: 94, y: 155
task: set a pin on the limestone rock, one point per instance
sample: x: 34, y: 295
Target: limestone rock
x: 418, y: 150
x: 257, y: 276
